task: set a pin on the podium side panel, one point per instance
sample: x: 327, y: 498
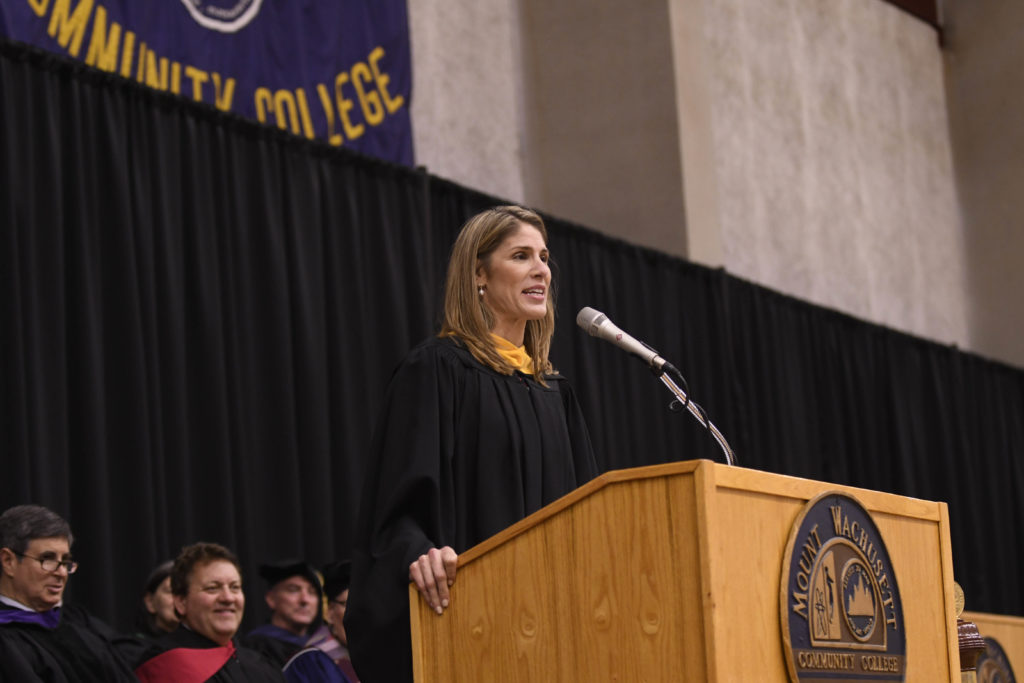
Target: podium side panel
x: 606, y: 590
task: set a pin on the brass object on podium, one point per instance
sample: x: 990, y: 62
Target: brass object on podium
x: 972, y: 645
x: 958, y: 599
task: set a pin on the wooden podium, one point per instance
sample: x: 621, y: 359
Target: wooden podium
x: 667, y: 573
x: 1007, y: 630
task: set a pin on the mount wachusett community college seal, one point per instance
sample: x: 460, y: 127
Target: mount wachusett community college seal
x: 842, y: 617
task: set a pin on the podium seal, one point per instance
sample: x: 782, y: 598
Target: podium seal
x: 993, y: 664
x: 842, y: 617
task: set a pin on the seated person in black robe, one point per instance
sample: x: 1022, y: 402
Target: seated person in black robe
x: 331, y: 637
x: 207, y: 585
x: 156, y: 616
x: 477, y: 431
x: 295, y: 599
x: 40, y: 640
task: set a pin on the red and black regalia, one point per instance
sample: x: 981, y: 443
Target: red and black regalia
x: 184, y: 655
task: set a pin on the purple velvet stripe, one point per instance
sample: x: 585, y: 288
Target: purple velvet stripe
x: 48, y: 619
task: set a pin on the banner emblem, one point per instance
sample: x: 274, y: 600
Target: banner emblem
x: 842, y: 617
x: 226, y: 16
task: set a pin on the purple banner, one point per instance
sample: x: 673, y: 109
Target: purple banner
x: 335, y: 70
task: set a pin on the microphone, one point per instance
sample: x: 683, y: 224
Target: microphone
x: 597, y: 324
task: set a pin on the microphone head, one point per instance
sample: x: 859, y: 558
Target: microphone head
x: 590, y: 320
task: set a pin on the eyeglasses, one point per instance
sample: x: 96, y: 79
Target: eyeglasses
x: 52, y: 564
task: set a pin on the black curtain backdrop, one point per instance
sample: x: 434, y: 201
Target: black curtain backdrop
x: 199, y: 315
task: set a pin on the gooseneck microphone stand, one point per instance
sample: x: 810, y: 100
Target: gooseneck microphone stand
x: 664, y: 374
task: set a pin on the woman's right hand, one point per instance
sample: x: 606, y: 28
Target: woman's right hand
x: 433, y: 572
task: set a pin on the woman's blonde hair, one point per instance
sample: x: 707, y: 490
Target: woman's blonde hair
x: 465, y: 314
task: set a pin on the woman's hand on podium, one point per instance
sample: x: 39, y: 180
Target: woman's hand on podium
x: 433, y: 573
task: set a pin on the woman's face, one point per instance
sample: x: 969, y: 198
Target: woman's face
x: 160, y: 603
x: 215, y: 602
x: 516, y: 281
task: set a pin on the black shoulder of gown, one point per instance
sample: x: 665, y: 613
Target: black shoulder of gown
x: 77, y: 650
x: 274, y: 650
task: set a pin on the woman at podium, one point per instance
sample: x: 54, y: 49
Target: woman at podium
x: 477, y: 431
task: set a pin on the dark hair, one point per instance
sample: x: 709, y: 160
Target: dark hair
x: 145, y: 623
x: 157, y: 576
x: 192, y: 556
x: 337, y: 577
x: 22, y: 524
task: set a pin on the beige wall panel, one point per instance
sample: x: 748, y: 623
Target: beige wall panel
x: 985, y: 77
x: 602, y: 132
x: 833, y: 160
x: 467, y: 101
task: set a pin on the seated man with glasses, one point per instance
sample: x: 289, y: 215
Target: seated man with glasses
x: 40, y: 639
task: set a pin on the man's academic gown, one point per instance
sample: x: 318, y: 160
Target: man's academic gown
x: 460, y: 453
x: 275, y: 644
x: 76, y: 650
x: 289, y: 652
x: 243, y: 666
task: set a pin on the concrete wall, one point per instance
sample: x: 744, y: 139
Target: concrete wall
x: 802, y: 144
x: 833, y: 161
x: 603, y: 136
x: 984, y: 58
x: 467, y: 100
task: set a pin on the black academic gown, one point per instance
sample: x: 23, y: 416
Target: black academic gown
x: 77, y: 650
x: 275, y: 644
x: 245, y: 666
x: 131, y: 646
x: 299, y: 662
x: 460, y: 452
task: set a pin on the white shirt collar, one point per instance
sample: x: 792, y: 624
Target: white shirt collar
x: 11, y: 602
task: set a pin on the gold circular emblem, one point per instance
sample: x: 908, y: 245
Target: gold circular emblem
x: 958, y: 599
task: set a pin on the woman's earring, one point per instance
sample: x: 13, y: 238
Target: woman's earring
x: 480, y: 291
